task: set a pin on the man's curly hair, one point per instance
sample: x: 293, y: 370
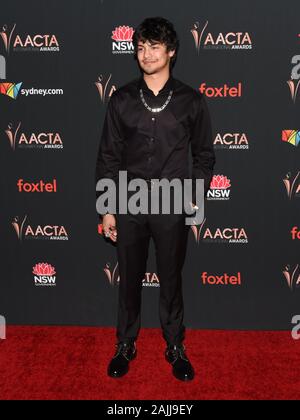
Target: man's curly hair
x: 157, y: 29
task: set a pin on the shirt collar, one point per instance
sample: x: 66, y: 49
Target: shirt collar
x: 166, y: 88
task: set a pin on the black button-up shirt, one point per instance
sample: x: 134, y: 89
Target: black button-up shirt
x: 156, y: 145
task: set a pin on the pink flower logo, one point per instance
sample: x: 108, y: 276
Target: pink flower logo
x: 43, y: 269
x: 220, y: 182
x: 123, y: 33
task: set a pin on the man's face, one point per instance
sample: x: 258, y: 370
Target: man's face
x: 153, y: 57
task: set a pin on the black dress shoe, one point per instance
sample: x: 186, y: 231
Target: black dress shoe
x: 119, y: 365
x: 182, y: 368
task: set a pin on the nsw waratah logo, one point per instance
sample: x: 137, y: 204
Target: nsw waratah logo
x: 294, y: 81
x: 43, y: 140
x: 292, y: 185
x: 10, y: 89
x: 122, y: 40
x: 41, y: 232
x: 291, y: 136
x: 220, y: 41
x: 219, y: 188
x: 112, y: 274
x: 33, y: 43
x: 44, y: 275
x: 231, y: 141
x: 105, y: 88
x: 292, y: 276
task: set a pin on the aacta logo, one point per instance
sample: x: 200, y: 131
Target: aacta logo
x: 44, y: 275
x: 294, y: 81
x: 224, y: 280
x: 225, y: 235
x: 6, y: 36
x: 47, y: 232
x: 38, y: 42
x: 224, y: 41
x: 39, y: 187
x: 105, y: 88
x: 150, y: 279
x: 33, y: 140
x: 292, y: 276
x: 295, y: 232
x: 231, y: 141
x: 292, y: 185
x: 291, y: 136
x: 10, y: 89
x: 219, y: 188
x: 224, y: 91
x: 122, y: 40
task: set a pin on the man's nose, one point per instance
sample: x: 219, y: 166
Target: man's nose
x: 147, y: 54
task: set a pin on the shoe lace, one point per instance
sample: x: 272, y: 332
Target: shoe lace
x: 177, y: 351
x: 124, y: 348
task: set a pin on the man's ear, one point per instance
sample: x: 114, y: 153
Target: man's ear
x: 171, y: 53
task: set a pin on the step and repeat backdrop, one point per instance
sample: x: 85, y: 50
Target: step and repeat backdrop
x: 60, y: 61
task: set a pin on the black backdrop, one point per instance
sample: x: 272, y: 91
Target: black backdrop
x: 258, y: 197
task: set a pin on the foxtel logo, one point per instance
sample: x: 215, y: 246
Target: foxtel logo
x: 224, y: 91
x: 224, y: 280
x: 219, y: 188
x: 295, y: 233
x: 39, y: 187
x: 231, y: 141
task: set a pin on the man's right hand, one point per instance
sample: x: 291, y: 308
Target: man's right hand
x: 109, y: 227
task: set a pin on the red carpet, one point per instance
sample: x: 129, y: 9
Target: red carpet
x: 70, y: 363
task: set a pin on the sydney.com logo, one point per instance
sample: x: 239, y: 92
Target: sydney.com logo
x: 12, y: 90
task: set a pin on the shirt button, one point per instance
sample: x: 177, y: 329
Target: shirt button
x: 152, y: 139
x: 149, y: 159
x: 153, y: 118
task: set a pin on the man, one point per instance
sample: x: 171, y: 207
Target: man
x: 149, y: 125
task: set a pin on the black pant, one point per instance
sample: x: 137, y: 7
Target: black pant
x: 170, y: 235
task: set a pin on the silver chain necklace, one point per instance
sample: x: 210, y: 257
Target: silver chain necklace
x: 156, y: 109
